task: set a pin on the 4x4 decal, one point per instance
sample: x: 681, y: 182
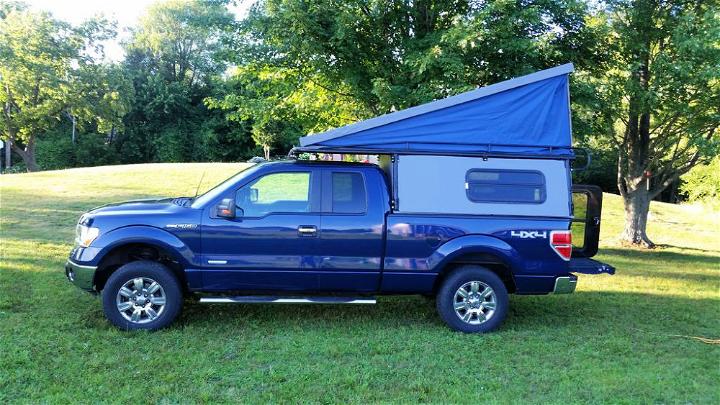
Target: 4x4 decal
x: 529, y: 234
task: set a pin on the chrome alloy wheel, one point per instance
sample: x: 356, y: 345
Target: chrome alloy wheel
x: 141, y: 300
x: 475, y: 302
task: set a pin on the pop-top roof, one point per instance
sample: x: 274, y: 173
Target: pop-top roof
x: 528, y: 115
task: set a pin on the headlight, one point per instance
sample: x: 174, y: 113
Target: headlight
x: 86, y: 235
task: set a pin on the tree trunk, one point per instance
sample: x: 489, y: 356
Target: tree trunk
x: 8, y: 153
x: 266, y: 149
x: 637, y: 206
x: 28, y: 155
x: 636, y: 147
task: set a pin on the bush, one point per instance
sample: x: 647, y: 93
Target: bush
x: 94, y: 150
x: 702, y: 183
x: 55, y: 150
x: 18, y: 167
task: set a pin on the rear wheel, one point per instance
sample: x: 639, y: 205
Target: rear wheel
x: 473, y: 299
x: 142, y: 295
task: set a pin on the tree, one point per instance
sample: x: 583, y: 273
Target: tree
x: 47, y: 69
x: 659, y: 97
x: 174, y: 58
x: 389, y: 55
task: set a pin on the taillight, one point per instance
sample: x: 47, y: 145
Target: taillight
x: 561, y: 242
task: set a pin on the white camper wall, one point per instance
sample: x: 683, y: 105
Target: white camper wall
x: 436, y: 184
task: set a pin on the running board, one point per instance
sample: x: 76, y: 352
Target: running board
x: 262, y: 299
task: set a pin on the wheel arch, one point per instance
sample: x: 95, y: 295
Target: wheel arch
x: 480, y: 250
x: 124, y: 253
x: 130, y: 244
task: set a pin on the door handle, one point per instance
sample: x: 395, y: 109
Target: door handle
x: 307, y: 230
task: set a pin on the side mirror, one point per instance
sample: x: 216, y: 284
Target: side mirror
x: 226, y: 208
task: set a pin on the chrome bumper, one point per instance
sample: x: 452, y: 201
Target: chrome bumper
x: 81, y: 276
x: 565, y: 285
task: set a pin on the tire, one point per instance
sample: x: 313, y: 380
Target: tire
x: 157, y: 306
x: 479, y: 310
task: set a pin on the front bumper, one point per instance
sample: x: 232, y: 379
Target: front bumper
x: 81, y: 276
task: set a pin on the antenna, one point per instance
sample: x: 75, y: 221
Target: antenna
x: 197, y: 190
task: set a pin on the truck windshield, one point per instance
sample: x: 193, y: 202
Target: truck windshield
x: 218, y: 190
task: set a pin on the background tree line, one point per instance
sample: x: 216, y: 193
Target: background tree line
x: 197, y: 84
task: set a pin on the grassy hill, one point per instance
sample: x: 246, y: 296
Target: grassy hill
x: 622, y: 338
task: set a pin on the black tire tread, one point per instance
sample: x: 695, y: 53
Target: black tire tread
x: 154, y: 270
x: 459, y: 276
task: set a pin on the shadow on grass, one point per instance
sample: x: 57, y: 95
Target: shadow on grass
x: 694, y: 249
x: 671, y: 258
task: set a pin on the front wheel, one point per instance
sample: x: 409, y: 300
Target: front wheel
x: 142, y: 295
x: 473, y: 299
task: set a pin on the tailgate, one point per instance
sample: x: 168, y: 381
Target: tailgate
x: 590, y: 266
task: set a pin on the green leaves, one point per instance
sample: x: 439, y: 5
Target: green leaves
x: 184, y: 40
x: 48, y: 70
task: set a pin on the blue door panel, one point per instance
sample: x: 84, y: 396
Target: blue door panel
x: 351, y: 246
x: 351, y: 242
x: 262, y: 253
x: 268, y: 243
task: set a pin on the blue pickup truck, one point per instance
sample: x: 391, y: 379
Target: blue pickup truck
x: 465, y: 219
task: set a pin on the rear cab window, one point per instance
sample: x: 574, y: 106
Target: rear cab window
x: 505, y: 186
x: 344, y: 193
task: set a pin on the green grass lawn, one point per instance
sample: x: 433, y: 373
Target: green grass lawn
x: 617, y: 339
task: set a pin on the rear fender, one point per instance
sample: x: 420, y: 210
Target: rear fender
x: 476, y: 244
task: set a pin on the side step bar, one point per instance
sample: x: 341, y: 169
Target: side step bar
x: 272, y: 299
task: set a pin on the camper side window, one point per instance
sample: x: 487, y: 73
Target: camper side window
x: 505, y: 186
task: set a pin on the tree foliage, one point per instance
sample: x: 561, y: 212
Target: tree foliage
x: 175, y: 57
x: 702, y: 183
x: 390, y: 55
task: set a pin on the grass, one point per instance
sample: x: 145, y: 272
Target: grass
x: 617, y: 339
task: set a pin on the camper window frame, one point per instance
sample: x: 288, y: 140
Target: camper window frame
x: 468, y: 183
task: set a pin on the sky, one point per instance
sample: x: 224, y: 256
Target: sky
x: 125, y: 12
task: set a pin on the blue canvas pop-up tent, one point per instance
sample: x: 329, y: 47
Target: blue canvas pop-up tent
x: 528, y: 115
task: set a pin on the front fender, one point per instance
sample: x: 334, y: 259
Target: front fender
x: 474, y: 244
x: 92, y: 255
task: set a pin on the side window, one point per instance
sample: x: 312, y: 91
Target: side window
x: 348, y: 193
x: 505, y: 186
x: 275, y: 193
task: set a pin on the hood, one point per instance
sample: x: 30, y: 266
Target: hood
x: 157, y: 213
x: 163, y: 205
